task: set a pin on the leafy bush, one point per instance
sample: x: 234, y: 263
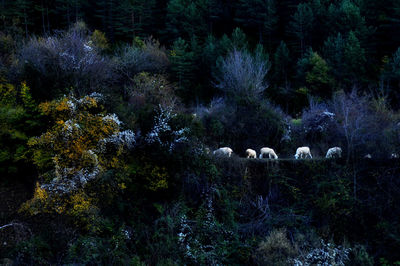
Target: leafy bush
x: 7, y: 50
x: 19, y: 120
x: 149, y: 57
x: 205, y: 240
x: 33, y: 251
x: 82, y: 142
x: 276, y: 249
x: 242, y: 125
x: 93, y: 250
x: 152, y: 90
x: 99, y: 40
x: 360, y: 256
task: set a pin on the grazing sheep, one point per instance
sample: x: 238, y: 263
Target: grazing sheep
x: 225, y: 151
x: 334, y: 152
x: 394, y: 156
x: 251, y: 153
x: 268, y: 151
x: 303, y: 152
x: 368, y: 156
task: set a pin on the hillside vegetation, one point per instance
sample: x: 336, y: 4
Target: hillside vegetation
x: 110, y: 112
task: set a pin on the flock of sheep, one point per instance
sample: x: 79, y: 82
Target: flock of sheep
x: 301, y: 153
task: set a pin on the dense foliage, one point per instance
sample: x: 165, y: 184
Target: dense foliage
x: 110, y: 111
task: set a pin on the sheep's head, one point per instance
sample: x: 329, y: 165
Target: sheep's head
x: 296, y: 156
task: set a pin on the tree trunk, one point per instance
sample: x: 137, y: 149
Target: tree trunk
x: 48, y: 20
x: 133, y: 24
x: 43, y: 24
x: 4, y: 8
x: 76, y: 10
x: 68, y: 16
x: 25, y: 22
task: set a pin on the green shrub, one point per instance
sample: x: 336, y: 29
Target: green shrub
x: 276, y: 249
x: 360, y: 256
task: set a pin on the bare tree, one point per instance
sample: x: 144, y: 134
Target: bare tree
x: 359, y: 125
x: 242, y: 74
x: 355, y: 120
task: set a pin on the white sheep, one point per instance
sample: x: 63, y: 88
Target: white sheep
x: 268, y: 151
x: 334, y: 152
x: 303, y: 152
x: 368, y: 156
x: 251, y: 153
x: 224, y: 151
x: 394, y: 156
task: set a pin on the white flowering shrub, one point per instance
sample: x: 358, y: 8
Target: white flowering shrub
x: 204, y: 241
x: 327, y: 254
x: 162, y: 133
x: 82, y: 144
x: 65, y: 60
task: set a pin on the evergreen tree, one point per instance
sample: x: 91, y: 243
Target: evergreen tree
x: 318, y: 77
x: 186, y: 18
x: 281, y: 65
x: 107, y: 11
x: 135, y: 18
x: 214, y: 12
x: 239, y: 39
x: 211, y: 51
x: 259, y: 14
x: 70, y: 11
x: 302, y: 67
x: 302, y: 24
x: 355, y: 60
x: 345, y: 17
x: 333, y: 51
x: 390, y: 77
x: 22, y: 11
x: 182, y: 66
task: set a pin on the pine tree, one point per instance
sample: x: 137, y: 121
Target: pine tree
x: 302, y: 24
x: 281, y: 65
x: 182, y: 66
x: 354, y: 58
x: 345, y: 16
x: 70, y: 11
x: 318, y: 77
x: 135, y: 18
x: 239, y: 39
x: 186, y: 18
x: 22, y: 10
x: 302, y: 67
x: 107, y: 11
x: 333, y: 51
x: 259, y: 14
